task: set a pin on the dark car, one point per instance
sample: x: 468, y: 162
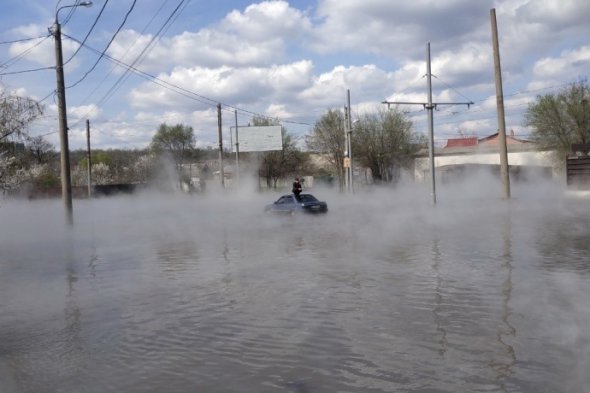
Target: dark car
x: 290, y: 204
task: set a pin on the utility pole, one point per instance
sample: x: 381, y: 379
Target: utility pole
x: 237, y: 151
x: 504, y: 168
x: 351, y: 170
x: 430, y: 106
x: 221, y: 173
x: 347, y: 152
x: 66, y: 181
x: 89, y: 158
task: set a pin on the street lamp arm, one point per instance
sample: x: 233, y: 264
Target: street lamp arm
x: 81, y: 4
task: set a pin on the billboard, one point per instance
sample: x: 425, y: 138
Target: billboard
x: 263, y: 138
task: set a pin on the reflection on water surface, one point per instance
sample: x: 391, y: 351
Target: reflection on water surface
x: 177, y: 294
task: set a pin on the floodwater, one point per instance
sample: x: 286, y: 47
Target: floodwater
x: 385, y: 293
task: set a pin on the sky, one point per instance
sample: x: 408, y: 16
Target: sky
x: 148, y: 62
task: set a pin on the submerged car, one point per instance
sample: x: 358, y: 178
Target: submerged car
x: 290, y: 204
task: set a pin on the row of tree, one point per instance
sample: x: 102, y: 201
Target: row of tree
x: 384, y: 143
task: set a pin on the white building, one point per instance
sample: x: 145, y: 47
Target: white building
x: 462, y: 156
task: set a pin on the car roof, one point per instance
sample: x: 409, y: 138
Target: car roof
x: 291, y: 195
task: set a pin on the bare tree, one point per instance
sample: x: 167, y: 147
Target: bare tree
x: 327, y: 137
x: 384, y: 142
x: 16, y: 113
x: 40, y: 150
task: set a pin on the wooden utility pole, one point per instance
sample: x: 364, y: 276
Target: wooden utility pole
x: 66, y: 180
x: 221, y: 173
x: 504, y: 173
x: 89, y: 158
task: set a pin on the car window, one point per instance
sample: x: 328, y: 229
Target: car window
x: 284, y: 200
x: 307, y: 198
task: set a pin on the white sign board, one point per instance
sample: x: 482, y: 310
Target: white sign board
x: 264, y: 138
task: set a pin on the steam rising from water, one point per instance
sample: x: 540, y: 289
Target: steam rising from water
x: 175, y: 292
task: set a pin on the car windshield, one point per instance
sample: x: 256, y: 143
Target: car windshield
x: 307, y: 198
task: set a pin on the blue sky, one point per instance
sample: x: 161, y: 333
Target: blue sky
x: 289, y: 60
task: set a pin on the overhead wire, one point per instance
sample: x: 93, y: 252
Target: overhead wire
x: 89, y: 32
x: 26, y: 71
x: 141, y: 55
x: 21, y: 40
x: 173, y: 16
x: 71, y: 11
x: 452, y: 88
x: 8, y: 63
x: 115, y: 65
x: 181, y: 90
x: 106, y: 48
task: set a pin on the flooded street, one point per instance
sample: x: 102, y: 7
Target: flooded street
x: 385, y: 293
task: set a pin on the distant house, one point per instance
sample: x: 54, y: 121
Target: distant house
x: 463, y: 156
x: 12, y: 147
x: 578, y: 167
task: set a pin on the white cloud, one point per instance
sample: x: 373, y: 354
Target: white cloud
x: 41, y: 50
x: 397, y: 30
x: 267, y: 19
x: 253, y: 38
x: 206, y: 48
x: 570, y: 64
x: 557, y: 14
x: 239, y: 85
x: 84, y: 112
x: 329, y: 88
x: 281, y: 60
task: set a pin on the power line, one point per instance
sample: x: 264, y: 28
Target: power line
x: 182, y: 91
x: 114, y: 65
x: 142, y: 54
x: 21, y: 40
x: 89, y: 32
x: 70, y: 12
x: 25, y: 71
x: 106, y: 48
x: 452, y: 88
x: 16, y: 58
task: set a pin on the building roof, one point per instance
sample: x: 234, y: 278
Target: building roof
x: 510, y: 140
x: 461, y: 142
x: 471, y: 145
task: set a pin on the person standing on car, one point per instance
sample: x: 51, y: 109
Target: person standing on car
x: 297, y: 187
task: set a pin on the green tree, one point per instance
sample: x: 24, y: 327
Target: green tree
x: 560, y: 120
x: 327, y: 137
x: 177, y: 141
x: 384, y: 142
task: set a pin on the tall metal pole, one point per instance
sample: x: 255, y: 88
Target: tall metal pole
x: 66, y: 182
x: 237, y: 151
x: 430, y: 108
x: 221, y: 173
x: 346, y: 167
x: 89, y: 158
x: 504, y: 173
x: 351, y: 172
